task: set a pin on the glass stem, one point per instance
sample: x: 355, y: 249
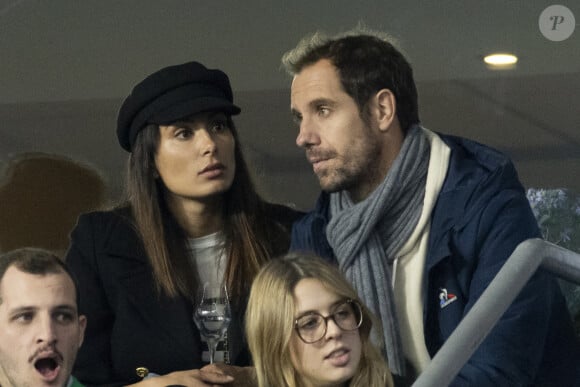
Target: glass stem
x: 212, y: 345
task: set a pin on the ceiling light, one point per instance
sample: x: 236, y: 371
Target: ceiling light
x: 501, y: 61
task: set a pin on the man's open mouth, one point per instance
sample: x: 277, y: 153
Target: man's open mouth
x: 48, y: 367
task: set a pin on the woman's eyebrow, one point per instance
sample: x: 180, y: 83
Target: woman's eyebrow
x: 330, y: 307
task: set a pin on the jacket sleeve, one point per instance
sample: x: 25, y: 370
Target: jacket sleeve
x: 309, y: 232
x: 93, y: 364
x: 513, y: 350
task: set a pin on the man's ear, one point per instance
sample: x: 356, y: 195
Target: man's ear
x: 82, y: 326
x: 386, y: 108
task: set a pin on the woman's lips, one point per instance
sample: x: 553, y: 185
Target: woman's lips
x: 339, y: 357
x: 213, y: 171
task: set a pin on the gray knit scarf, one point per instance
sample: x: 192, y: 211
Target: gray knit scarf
x: 367, y: 236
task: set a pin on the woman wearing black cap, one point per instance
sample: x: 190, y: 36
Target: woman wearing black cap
x: 192, y: 212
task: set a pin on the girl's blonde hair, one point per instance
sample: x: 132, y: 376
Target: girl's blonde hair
x: 270, y: 322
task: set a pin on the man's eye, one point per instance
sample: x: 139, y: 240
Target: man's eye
x: 23, y: 318
x: 323, y: 111
x: 64, y: 317
x: 297, y: 119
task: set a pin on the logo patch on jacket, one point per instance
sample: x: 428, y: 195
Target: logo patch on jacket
x: 446, y: 298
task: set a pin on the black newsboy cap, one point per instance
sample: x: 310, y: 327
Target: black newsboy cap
x: 171, y: 94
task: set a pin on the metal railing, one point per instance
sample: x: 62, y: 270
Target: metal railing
x: 492, y: 304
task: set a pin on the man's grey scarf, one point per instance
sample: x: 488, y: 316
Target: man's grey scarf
x: 367, y: 236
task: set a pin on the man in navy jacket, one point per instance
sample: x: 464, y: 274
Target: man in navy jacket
x: 419, y: 222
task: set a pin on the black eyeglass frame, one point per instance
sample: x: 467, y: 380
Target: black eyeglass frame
x: 356, y: 308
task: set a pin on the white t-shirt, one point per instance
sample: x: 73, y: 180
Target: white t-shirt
x: 209, y: 258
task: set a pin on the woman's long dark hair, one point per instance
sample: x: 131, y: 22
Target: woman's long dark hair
x: 249, y: 234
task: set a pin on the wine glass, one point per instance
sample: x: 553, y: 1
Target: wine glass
x: 212, y: 314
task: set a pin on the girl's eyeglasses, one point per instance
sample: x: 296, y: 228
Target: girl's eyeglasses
x: 312, y: 327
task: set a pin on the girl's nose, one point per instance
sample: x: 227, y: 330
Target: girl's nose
x: 208, y: 144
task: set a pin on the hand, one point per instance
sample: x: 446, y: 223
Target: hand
x: 242, y: 376
x: 190, y: 378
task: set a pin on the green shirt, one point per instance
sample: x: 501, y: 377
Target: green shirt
x: 73, y: 382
